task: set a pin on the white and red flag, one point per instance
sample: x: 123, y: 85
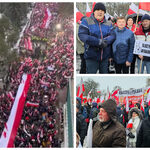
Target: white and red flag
x: 80, y: 89
x: 134, y: 9
x: 46, y: 19
x: 28, y: 44
x: 88, y: 10
x: 142, y: 103
x: 11, y: 127
x: 32, y: 104
x: 130, y: 124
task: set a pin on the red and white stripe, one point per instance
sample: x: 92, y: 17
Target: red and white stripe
x: 46, y: 19
x: 11, y: 96
x: 80, y: 89
x: 134, y: 9
x: 10, y: 130
x: 130, y: 124
x: 142, y: 103
x: 32, y: 104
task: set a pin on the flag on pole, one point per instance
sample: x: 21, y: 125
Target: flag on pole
x: 88, y: 10
x: 93, y: 6
x: 148, y: 98
x: 130, y: 124
x: 134, y: 9
x: 32, y: 104
x: 80, y: 89
x: 79, y: 15
x: 142, y: 103
x: 46, y: 19
x: 10, y: 130
x: 144, y: 6
x: 127, y: 104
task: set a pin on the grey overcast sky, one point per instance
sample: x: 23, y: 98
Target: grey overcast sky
x: 111, y: 81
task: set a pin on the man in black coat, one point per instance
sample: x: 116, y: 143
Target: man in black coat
x: 143, y: 138
x: 81, y: 125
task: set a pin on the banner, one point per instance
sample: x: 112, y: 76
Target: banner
x: 142, y: 48
x: 134, y: 92
x: 11, y: 127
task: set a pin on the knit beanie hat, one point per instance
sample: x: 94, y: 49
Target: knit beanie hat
x: 110, y: 107
x: 145, y: 17
x: 99, y: 6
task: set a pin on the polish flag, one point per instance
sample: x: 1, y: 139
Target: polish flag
x: 93, y: 6
x: 144, y: 6
x: 130, y: 124
x: 88, y: 10
x: 134, y: 9
x: 148, y: 98
x: 44, y: 83
x: 79, y: 15
x: 46, y: 19
x: 11, y: 96
x: 80, y: 89
x: 142, y: 103
x: 102, y: 99
x: 32, y: 104
x: 127, y: 104
x: 28, y: 43
x: 115, y: 92
x: 9, y: 132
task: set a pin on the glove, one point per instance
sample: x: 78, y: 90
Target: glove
x: 131, y: 135
x: 102, y: 43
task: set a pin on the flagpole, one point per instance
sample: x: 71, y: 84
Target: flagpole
x: 134, y: 31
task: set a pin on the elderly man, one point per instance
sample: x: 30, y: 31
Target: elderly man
x: 108, y: 132
x: 95, y: 32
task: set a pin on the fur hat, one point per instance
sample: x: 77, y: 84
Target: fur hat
x: 136, y: 110
x: 99, y: 6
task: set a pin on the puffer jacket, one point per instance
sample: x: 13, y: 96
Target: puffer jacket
x: 143, y: 138
x: 140, y: 35
x: 123, y: 46
x: 90, y: 33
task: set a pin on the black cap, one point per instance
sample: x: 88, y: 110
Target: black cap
x: 145, y: 17
x: 99, y: 6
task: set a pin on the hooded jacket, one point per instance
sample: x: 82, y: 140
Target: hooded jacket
x: 112, y: 133
x: 90, y: 33
x: 143, y: 139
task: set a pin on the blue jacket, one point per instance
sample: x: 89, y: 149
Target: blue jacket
x: 123, y: 46
x: 90, y: 33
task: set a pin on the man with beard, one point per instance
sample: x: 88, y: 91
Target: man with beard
x: 108, y: 132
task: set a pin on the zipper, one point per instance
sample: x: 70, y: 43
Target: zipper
x: 102, y: 39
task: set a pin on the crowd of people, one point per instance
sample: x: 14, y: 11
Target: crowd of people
x: 112, y: 125
x: 42, y: 120
x: 106, y: 46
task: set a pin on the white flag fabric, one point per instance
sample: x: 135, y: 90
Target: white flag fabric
x: 89, y: 135
x: 11, y: 127
x: 127, y: 104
